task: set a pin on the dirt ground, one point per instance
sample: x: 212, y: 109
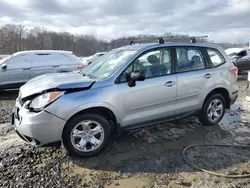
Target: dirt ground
x: 151, y: 157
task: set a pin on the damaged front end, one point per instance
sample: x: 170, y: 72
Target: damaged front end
x: 41, y: 91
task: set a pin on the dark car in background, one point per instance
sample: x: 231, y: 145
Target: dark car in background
x: 241, y: 58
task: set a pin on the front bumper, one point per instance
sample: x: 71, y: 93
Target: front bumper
x: 38, y: 129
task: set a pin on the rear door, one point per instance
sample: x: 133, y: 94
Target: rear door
x: 42, y: 63
x: 193, y: 78
x: 67, y: 62
x: 17, y: 70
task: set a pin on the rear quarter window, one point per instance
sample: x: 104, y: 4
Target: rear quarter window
x: 216, y: 58
x: 73, y: 58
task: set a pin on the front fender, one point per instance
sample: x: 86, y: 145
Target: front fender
x: 92, y: 105
x: 65, y: 109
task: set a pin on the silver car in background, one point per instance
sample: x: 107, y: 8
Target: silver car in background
x: 127, y: 88
x: 22, y: 66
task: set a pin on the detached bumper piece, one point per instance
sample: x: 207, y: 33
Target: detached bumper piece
x: 233, y: 100
x: 28, y: 139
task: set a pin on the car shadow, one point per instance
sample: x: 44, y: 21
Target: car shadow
x: 159, y: 150
x: 8, y: 94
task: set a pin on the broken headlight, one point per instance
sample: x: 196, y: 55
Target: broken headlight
x: 43, y: 100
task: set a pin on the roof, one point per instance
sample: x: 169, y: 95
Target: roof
x: 42, y: 52
x: 166, y: 44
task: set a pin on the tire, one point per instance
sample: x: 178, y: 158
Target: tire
x: 205, y: 118
x: 85, y: 137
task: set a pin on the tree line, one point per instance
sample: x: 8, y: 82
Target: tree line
x: 14, y: 38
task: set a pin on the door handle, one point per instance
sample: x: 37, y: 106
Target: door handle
x: 169, y: 84
x: 207, y: 75
x: 55, y: 65
x: 26, y: 68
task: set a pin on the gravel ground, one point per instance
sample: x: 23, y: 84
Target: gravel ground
x: 6, y: 104
x: 151, y: 157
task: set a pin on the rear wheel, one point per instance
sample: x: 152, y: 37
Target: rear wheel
x: 213, y: 110
x: 86, y: 135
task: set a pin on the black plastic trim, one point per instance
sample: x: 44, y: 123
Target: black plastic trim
x: 156, y: 121
x: 235, y: 92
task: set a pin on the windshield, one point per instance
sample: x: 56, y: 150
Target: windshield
x: 5, y: 59
x: 104, y: 66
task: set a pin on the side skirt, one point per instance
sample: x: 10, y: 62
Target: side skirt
x: 154, y: 122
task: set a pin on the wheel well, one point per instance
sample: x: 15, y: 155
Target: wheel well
x: 103, y: 111
x: 224, y: 92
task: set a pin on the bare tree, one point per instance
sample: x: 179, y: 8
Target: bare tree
x: 15, y: 38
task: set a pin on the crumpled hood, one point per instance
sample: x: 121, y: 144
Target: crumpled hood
x: 61, y: 81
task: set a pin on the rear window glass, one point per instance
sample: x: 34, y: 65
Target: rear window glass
x: 215, y: 57
x: 48, y: 58
x: 189, y: 59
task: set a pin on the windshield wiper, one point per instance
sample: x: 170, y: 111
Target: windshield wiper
x: 90, y: 76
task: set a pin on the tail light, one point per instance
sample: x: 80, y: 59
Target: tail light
x: 234, y: 71
x: 80, y: 67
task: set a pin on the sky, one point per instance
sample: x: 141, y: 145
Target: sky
x: 221, y: 20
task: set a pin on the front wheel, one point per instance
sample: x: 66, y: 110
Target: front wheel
x: 86, y: 135
x: 213, y: 110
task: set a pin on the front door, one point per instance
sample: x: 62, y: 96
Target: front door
x: 17, y: 70
x: 151, y: 99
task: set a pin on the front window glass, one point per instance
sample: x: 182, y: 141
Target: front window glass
x: 107, y: 64
x: 5, y: 59
x: 154, y: 63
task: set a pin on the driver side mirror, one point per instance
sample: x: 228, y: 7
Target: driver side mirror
x: 4, y: 66
x: 136, y: 76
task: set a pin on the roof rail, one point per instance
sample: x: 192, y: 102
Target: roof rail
x: 161, y: 39
x: 193, y: 38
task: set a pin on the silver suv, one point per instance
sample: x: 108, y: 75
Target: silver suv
x: 127, y: 88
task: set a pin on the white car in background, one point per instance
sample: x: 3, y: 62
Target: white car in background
x: 22, y: 66
x: 232, y: 52
x: 90, y: 59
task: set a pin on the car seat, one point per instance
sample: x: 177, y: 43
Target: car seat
x: 196, y: 61
x: 156, y: 68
